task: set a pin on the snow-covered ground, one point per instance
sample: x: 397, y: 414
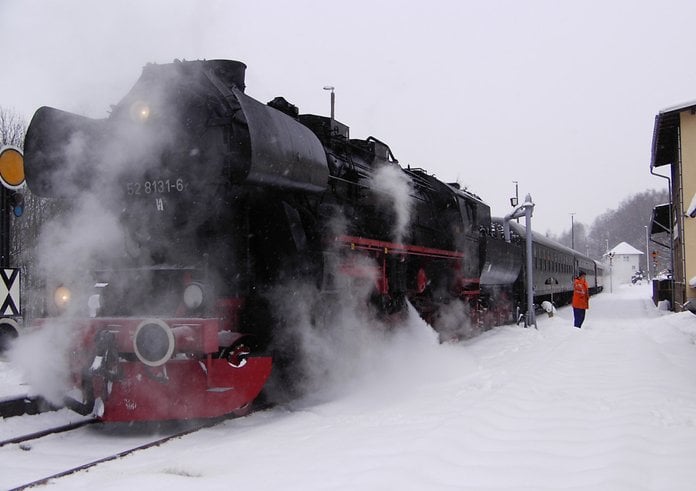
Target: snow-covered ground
x: 611, y: 406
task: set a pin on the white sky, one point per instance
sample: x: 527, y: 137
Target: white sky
x: 559, y: 96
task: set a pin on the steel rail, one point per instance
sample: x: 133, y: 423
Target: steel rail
x: 48, y: 431
x: 114, y: 456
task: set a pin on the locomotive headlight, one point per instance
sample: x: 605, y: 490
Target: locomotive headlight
x: 140, y: 111
x: 62, y: 296
x: 193, y: 295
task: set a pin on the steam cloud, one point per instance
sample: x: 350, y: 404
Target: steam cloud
x: 43, y: 357
x: 339, y: 341
x: 346, y: 348
x: 453, y: 321
x: 393, y: 189
x: 83, y: 232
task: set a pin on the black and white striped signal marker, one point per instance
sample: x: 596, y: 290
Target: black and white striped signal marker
x: 9, y: 292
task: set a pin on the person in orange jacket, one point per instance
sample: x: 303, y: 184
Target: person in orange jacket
x: 581, y: 299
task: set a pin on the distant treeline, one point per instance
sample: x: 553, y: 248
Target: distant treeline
x: 625, y: 224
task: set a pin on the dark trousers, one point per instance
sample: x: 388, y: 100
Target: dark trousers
x: 579, y: 315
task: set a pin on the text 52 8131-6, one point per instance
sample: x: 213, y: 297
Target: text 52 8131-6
x: 155, y: 186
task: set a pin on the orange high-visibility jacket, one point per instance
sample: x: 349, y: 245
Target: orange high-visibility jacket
x: 581, y: 293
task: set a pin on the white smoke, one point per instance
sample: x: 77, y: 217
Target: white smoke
x: 393, y: 188
x: 338, y: 335
x: 66, y: 250
x: 43, y: 356
x: 73, y: 242
x: 68, y: 247
x: 351, y: 351
x: 453, y: 321
x: 342, y: 349
x: 83, y: 232
x: 326, y: 331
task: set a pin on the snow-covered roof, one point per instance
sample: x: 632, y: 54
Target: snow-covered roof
x: 679, y: 107
x: 624, y: 249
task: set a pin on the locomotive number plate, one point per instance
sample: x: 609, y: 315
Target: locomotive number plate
x: 156, y: 186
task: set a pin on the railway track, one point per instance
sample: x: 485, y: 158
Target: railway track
x: 47, y: 476
x: 21, y: 439
x: 40, y: 443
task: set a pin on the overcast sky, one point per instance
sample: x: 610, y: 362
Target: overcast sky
x: 560, y: 96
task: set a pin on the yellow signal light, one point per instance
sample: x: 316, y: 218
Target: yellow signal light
x: 11, y: 167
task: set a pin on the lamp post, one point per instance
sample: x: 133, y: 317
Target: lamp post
x: 517, y: 197
x: 572, y: 231
x: 333, y: 102
x: 611, y: 272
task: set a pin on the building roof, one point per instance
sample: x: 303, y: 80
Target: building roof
x: 665, y: 139
x: 679, y: 107
x: 665, y: 142
x: 625, y: 249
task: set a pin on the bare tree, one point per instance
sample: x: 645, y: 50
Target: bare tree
x: 12, y: 128
x: 624, y: 224
x: 24, y: 230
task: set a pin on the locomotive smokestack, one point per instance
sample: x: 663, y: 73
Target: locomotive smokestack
x: 231, y: 72
x: 333, y: 102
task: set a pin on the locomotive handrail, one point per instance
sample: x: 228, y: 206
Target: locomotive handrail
x: 355, y: 183
x: 391, y: 154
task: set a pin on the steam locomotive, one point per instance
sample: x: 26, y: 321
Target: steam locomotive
x: 212, y: 200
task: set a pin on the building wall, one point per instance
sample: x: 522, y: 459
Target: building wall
x: 622, y: 268
x: 688, y: 183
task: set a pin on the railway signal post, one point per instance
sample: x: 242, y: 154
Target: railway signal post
x: 11, y: 201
